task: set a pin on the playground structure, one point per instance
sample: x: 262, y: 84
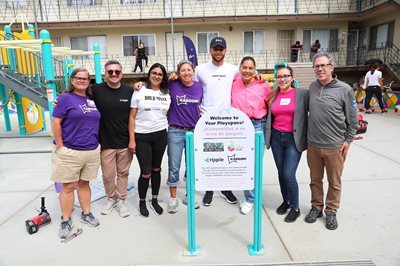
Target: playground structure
x: 33, y: 70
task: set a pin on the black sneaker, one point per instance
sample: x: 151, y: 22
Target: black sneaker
x: 292, y: 216
x: 156, y: 207
x: 283, y: 208
x: 313, y: 215
x: 229, y: 197
x: 143, y: 211
x: 331, y: 221
x: 208, y: 197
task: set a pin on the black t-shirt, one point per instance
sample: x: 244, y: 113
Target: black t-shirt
x: 114, y: 106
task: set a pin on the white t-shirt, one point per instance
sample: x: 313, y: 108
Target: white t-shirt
x: 152, y: 111
x: 373, y: 79
x: 217, y: 85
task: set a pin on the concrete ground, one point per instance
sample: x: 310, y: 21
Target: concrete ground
x: 368, y: 232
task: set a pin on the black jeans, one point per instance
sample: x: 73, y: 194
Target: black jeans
x: 370, y: 90
x: 150, y: 148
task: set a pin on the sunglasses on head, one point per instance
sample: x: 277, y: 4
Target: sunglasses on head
x: 111, y: 72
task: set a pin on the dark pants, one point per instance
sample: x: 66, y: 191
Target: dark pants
x: 138, y: 64
x: 150, y: 149
x: 378, y: 94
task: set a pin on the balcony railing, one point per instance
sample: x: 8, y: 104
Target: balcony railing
x: 265, y: 60
x: 107, y: 10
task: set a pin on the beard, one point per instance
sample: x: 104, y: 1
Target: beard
x: 218, y: 60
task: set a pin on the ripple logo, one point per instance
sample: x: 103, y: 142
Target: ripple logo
x: 214, y: 160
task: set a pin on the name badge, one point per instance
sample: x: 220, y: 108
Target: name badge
x: 285, y: 101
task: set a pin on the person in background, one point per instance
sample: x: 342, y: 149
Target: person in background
x: 186, y: 96
x: 142, y: 53
x: 373, y: 85
x: 332, y: 125
x: 286, y: 134
x: 138, y: 60
x: 294, y: 51
x: 76, y: 157
x: 112, y: 98
x: 148, y: 134
x: 251, y: 97
x: 314, y: 49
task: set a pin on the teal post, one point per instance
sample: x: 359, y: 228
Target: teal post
x: 32, y: 34
x: 97, y: 64
x: 47, y: 56
x: 257, y: 248
x: 192, y: 247
x: 68, y: 68
x: 4, y: 99
x: 13, y: 68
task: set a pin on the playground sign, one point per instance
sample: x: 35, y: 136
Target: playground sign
x: 224, y: 144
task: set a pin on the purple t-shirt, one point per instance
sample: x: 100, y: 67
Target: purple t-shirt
x: 185, y: 104
x: 80, y: 121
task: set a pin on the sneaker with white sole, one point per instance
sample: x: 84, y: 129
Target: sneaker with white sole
x: 173, y: 205
x: 122, y: 209
x: 196, y: 204
x: 89, y: 219
x: 65, y: 228
x: 229, y: 197
x: 110, y: 204
x: 246, y: 207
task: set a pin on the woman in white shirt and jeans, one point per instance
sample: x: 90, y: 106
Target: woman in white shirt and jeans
x: 374, y: 83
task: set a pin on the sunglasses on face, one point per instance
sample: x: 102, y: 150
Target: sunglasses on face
x: 111, y: 72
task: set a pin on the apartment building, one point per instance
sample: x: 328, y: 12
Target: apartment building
x: 354, y: 30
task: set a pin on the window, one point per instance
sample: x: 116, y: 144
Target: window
x: 14, y: 4
x: 381, y: 35
x: 78, y: 3
x: 85, y: 43
x: 131, y: 41
x: 253, y: 41
x: 328, y: 38
x: 137, y: 1
x: 203, y: 41
x: 286, y: 39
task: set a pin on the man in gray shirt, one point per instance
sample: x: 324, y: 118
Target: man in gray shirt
x: 332, y: 124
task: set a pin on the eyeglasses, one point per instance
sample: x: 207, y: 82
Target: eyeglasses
x: 156, y: 73
x: 323, y: 66
x: 80, y: 79
x: 283, y: 77
x: 111, y: 72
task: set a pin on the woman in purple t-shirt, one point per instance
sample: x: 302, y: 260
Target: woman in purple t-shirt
x: 183, y: 114
x: 76, y: 156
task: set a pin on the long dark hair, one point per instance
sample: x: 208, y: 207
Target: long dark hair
x: 164, y: 82
x: 274, y: 93
x: 248, y: 58
x: 373, y: 68
x: 71, y: 88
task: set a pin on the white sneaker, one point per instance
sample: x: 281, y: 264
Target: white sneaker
x: 122, y: 209
x: 110, y: 204
x: 173, y: 205
x: 245, y: 207
x: 196, y: 204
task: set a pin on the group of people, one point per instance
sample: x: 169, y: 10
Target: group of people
x: 295, y: 48
x: 106, y: 124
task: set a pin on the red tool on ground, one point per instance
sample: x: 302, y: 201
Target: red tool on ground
x: 33, y: 224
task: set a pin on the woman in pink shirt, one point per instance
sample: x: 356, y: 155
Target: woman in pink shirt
x: 286, y: 134
x: 251, y: 97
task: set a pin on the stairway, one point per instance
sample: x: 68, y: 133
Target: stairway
x: 303, y: 74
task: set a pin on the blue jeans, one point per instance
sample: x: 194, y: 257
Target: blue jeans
x: 287, y: 159
x: 259, y: 125
x: 176, y: 146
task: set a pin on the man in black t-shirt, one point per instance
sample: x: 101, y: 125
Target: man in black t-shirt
x: 294, y: 51
x: 113, y: 99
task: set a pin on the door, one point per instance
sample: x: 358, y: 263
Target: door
x: 175, y: 51
x: 352, y: 44
x: 362, y: 47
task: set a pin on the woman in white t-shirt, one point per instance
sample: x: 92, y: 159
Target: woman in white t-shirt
x: 374, y: 84
x: 148, y: 133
